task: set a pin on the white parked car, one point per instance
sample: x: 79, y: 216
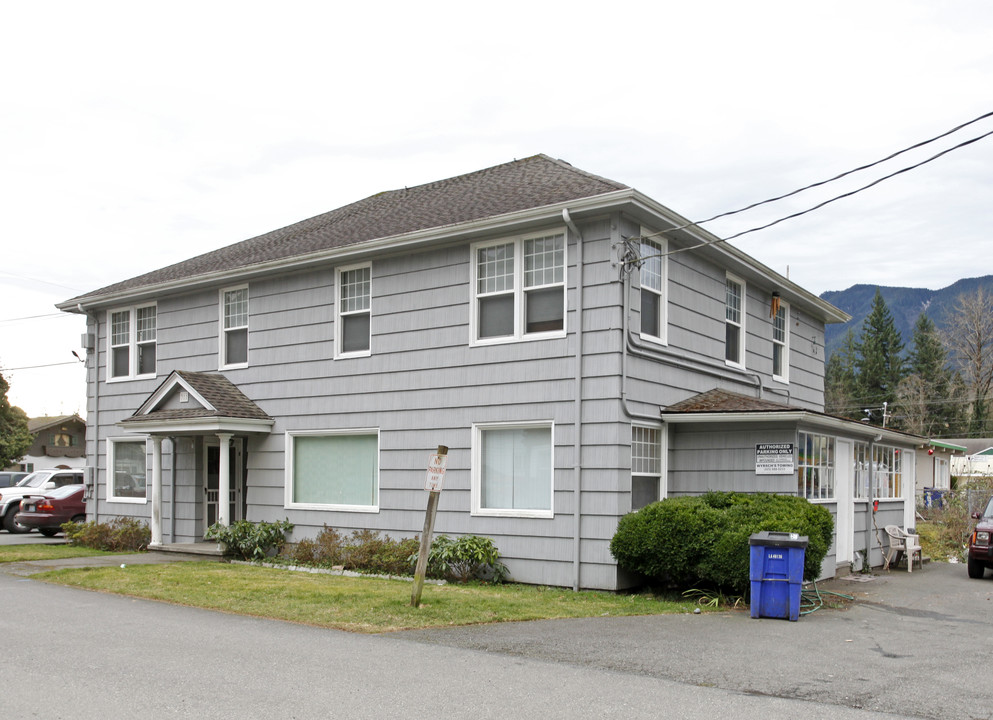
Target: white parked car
x: 34, y: 484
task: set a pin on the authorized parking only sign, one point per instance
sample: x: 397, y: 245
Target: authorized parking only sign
x: 774, y: 459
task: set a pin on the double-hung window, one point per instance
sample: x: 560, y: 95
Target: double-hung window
x: 234, y: 327
x: 781, y: 343
x: 128, y: 470
x: 646, y: 465
x: 512, y: 470
x: 132, y: 342
x: 815, y: 466
x: 333, y: 470
x: 353, y: 311
x: 653, y: 289
x: 519, y: 288
x: 734, y: 321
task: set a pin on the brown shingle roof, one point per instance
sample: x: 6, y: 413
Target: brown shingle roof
x: 725, y: 401
x: 533, y: 182
x: 227, y: 400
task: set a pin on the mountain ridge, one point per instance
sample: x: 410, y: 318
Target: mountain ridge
x: 905, y: 304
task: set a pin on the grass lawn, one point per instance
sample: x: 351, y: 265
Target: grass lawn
x: 25, y: 553
x: 367, y: 605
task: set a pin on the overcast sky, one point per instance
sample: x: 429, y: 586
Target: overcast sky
x: 134, y: 135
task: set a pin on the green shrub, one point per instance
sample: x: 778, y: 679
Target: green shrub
x: 465, y: 558
x: 689, y: 541
x: 365, y: 551
x: 118, y: 535
x: 252, y: 541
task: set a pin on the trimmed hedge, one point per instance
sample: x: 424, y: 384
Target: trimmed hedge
x: 692, y: 541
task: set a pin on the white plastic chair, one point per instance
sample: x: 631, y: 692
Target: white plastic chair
x: 902, y: 542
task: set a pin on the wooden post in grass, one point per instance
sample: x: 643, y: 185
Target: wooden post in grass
x: 433, y: 482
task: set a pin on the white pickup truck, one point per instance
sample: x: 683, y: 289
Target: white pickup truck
x: 34, y: 484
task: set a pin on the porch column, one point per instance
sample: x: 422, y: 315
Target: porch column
x: 224, y: 480
x: 156, y: 490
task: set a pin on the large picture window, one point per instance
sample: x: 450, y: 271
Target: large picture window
x: 734, y: 321
x: 333, y: 470
x: 519, y: 288
x: 234, y: 327
x: 653, y: 290
x: 512, y: 470
x: 353, y: 311
x: 646, y: 465
x: 815, y: 466
x: 128, y: 470
x: 132, y: 343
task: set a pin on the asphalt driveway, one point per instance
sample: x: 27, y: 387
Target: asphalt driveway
x: 912, y: 645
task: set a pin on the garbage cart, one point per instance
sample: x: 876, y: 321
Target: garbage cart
x: 776, y: 573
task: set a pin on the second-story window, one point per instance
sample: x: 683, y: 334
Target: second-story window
x: 653, y: 308
x: 781, y: 343
x: 353, y: 311
x: 519, y: 288
x: 132, y: 343
x: 734, y: 321
x: 234, y: 327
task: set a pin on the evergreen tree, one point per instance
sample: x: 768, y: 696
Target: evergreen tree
x: 14, y: 436
x: 839, y: 380
x: 879, y: 360
x: 928, y: 398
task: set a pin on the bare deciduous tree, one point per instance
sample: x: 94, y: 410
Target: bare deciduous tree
x: 969, y: 338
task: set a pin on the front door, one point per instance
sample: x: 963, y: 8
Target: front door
x: 844, y: 524
x: 211, y: 481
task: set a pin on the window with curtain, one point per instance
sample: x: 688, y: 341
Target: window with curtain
x: 513, y: 470
x: 333, y: 470
x: 127, y: 463
x: 815, y: 466
x: 888, y: 469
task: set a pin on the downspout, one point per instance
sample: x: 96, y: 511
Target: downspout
x: 96, y: 409
x: 577, y: 444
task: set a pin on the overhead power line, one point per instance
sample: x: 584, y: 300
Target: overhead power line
x: 818, y: 184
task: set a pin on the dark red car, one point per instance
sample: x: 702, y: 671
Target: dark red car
x: 48, y: 512
x: 981, y: 543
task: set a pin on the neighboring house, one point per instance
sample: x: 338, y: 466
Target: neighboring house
x: 934, y: 464
x: 59, y: 442
x: 549, y: 326
x: 977, y: 461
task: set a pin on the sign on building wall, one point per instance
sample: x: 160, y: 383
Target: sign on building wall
x: 774, y: 459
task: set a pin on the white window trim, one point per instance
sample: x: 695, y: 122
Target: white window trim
x: 111, y: 461
x: 222, y: 362
x: 833, y: 467
x: 338, y: 325
x: 663, y: 450
x: 784, y: 377
x: 132, y: 343
x: 740, y: 362
x: 288, y: 502
x: 477, y: 466
x: 663, y: 337
x: 519, y: 306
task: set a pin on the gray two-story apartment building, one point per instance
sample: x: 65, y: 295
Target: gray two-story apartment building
x: 580, y: 349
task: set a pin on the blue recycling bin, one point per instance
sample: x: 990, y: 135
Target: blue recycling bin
x: 776, y: 573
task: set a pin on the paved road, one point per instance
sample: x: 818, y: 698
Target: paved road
x: 904, y: 650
